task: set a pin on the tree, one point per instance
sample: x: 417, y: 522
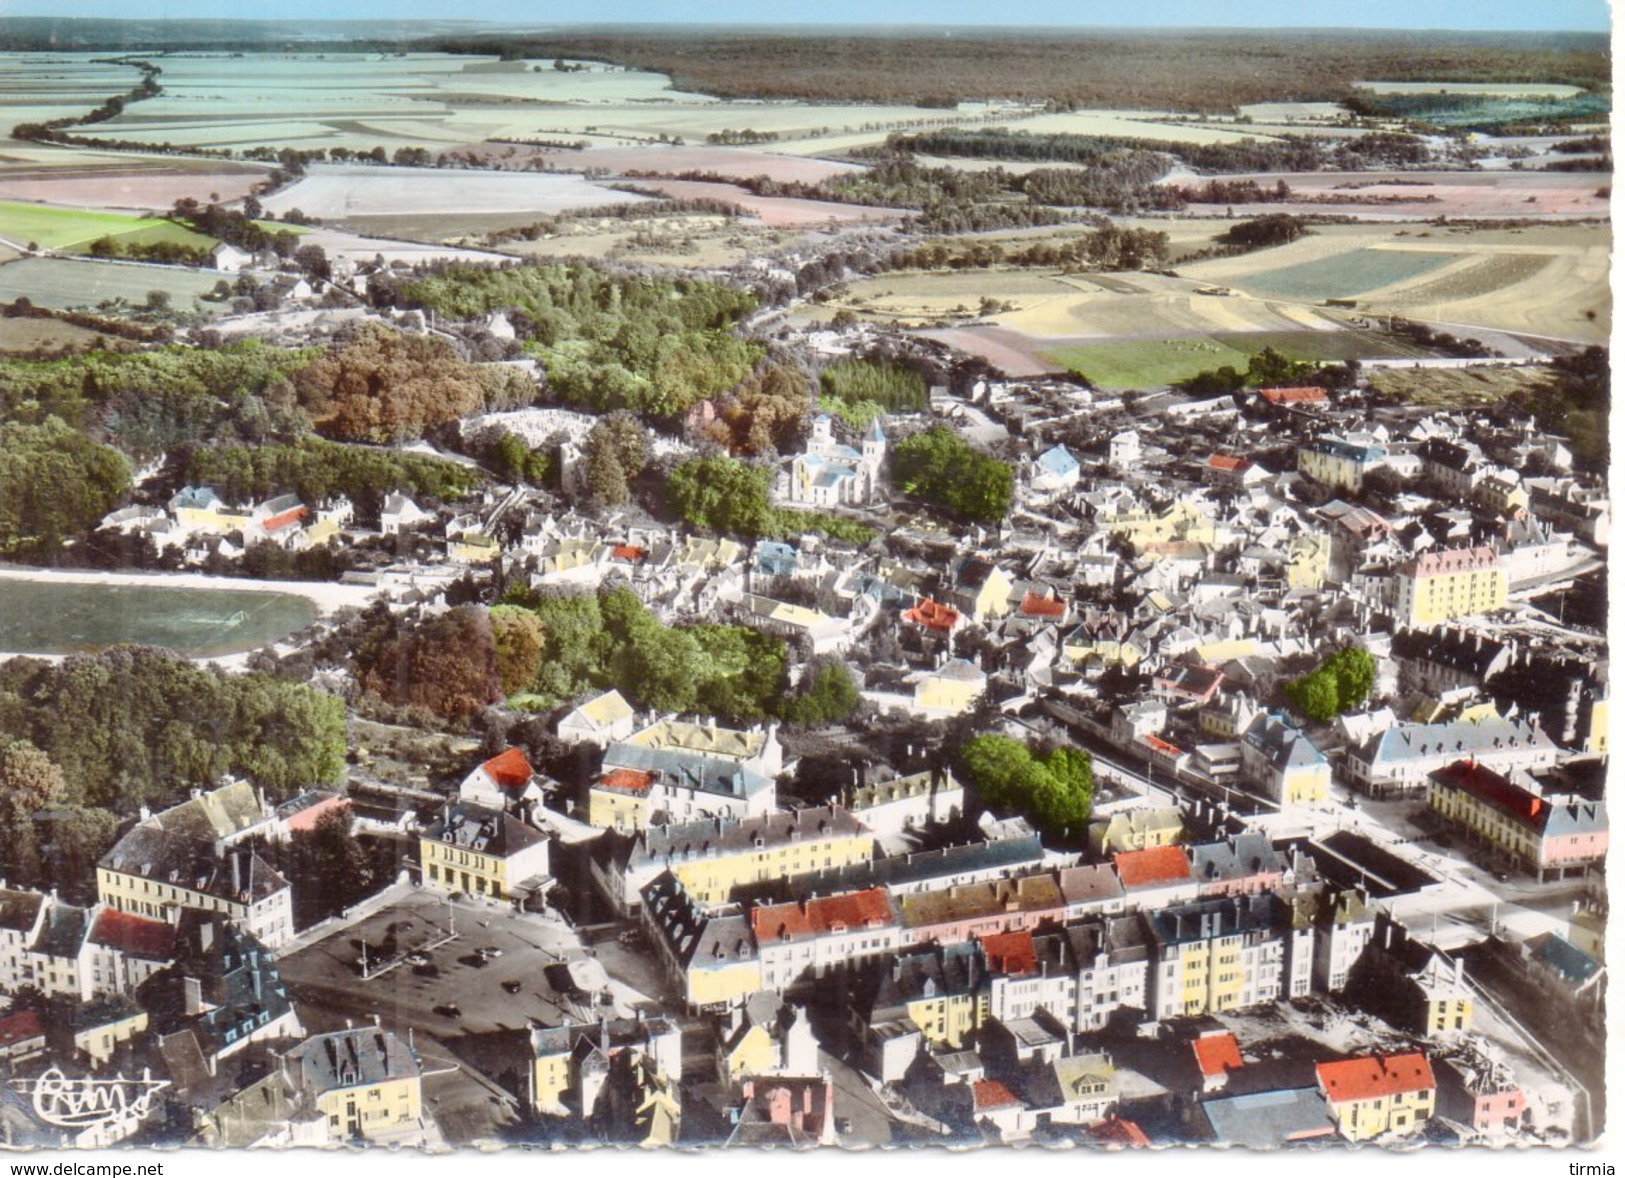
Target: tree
x: 1054, y: 792
x: 827, y: 695
x: 519, y: 640
x: 447, y: 664
x: 724, y: 494
x: 54, y: 483
x: 329, y: 868
x: 941, y: 467
x: 1339, y: 684
x: 1268, y: 230
x: 615, y: 453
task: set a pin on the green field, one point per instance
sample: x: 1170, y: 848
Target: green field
x: 74, y: 229
x: 1343, y: 276
x: 59, y: 618
x: 1138, y: 364
x: 65, y: 283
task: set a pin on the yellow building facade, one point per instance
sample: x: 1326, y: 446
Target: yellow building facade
x: 713, y: 880
x: 949, y: 1020
x: 1439, y: 586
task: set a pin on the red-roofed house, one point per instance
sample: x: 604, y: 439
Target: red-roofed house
x: 1186, y: 681
x: 818, y: 935
x: 1217, y: 1055
x: 304, y: 814
x: 934, y: 616
x: 1226, y: 470
x: 1010, y: 954
x: 126, y: 950
x: 1373, y: 1095
x: 1290, y: 397
x: 1156, y: 876
x: 993, y: 1104
x: 1116, y: 1133
x: 505, y: 778
x: 22, y: 1035
x: 1038, y: 607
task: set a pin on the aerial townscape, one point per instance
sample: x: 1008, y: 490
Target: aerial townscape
x: 709, y: 588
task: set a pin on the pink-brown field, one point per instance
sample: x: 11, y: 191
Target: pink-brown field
x: 148, y: 188
x: 1011, y: 352
x: 776, y: 212
x: 740, y: 163
x: 1489, y: 195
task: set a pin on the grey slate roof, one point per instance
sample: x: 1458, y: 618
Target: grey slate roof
x: 1269, y: 1120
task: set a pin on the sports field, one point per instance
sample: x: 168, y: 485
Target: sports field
x: 60, y: 618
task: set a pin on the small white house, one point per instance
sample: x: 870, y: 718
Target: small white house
x: 228, y: 259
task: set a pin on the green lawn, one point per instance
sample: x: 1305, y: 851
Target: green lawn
x: 1342, y: 276
x: 63, y: 283
x: 59, y: 618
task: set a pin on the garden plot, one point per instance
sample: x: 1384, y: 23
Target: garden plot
x: 335, y: 192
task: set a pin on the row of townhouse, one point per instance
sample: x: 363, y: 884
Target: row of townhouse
x: 1198, y: 958
x: 728, y: 951
x: 79, y: 953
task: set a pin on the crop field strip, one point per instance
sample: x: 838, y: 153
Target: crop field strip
x: 64, y: 283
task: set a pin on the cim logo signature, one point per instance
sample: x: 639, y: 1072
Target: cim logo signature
x: 88, y: 1103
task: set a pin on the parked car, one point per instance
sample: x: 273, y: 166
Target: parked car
x: 490, y: 952
x: 512, y: 987
x: 449, y: 1010
x: 417, y: 958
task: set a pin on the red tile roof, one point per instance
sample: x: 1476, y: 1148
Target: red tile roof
x: 629, y: 552
x: 1034, y: 605
x: 630, y: 781
x: 138, y: 936
x: 1217, y: 1055
x: 510, y: 769
x: 1227, y: 462
x: 990, y: 1095
x: 1157, y: 744
x: 1451, y: 560
x: 16, y: 1028
x: 1117, y: 1131
x: 285, y: 519
x: 933, y: 615
x: 1498, y: 791
x: 1294, y: 396
x: 1011, y: 954
x: 1373, y: 1076
x: 1154, y: 865
x: 305, y: 820
x: 832, y: 914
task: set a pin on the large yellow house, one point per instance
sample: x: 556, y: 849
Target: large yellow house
x: 709, y: 953
x: 483, y: 852
x: 1374, y: 1095
x: 1144, y: 526
x: 980, y: 589
x: 1456, y: 583
x: 941, y: 988
x: 714, y: 856
x: 365, y: 1081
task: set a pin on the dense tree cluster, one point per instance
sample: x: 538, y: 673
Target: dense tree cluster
x: 328, y: 867
x: 614, y: 456
x: 763, y: 416
x: 827, y: 695
x: 941, y: 467
x: 54, y: 483
x: 724, y: 494
x: 135, y: 725
x: 1053, y: 791
x: 1342, y: 682
x: 1265, y: 369
x: 595, y: 642
x: 49, y: 838
x: 649, y: 344
x: 1115, y: 70
x: 446, y: 663
x: 894, y: 387
x: 1109, y: 247
x: 378, y: 385
x: 315, y: 469
x: 1262, y: 232
x: 156, y: 400
x: 234, y: 227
